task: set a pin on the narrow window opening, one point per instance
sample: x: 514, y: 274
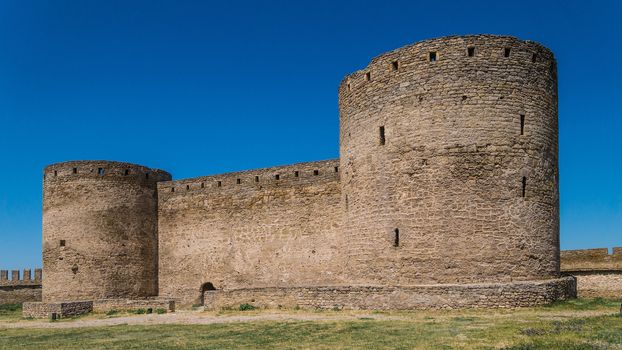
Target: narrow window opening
x: 75, y: 170
x: 238, y: 181
x: 349, y: 87
x: 127, y: 172
x: 296, y: 173
x: 506, y: 52
x: 62, y: 242
x: 336, y: 169
x: 172, y: 189
x: 55, y: 172
x: 433, y: 56
x: 146, y: 175
x: 395, y: 65
x: 382, y: 138
x: 219, y: 183
x: 277, y: 176
x: 524, y: 186
x: 316, y: 172
x: 256, y: 178
x: 187, y: 187
x: 396, y: 237
x: 368, y: 76
x: 522, y: 124
x: 346, y: 202
x: 100, y: 171
x: 471, y: 51
x: 534, y: 57
x: 202, y: 185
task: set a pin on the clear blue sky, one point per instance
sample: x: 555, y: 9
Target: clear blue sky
x: 200, y: 87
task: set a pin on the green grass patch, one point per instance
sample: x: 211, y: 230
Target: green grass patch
x: 579, y: 324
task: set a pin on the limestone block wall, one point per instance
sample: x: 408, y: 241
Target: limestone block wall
x: 100, y: 230
x: 449, y: 158
x: 598, y: 273
x: 267, y: 227
x: 21, y: 287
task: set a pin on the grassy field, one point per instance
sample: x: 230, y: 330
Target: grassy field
x: 575, y: 324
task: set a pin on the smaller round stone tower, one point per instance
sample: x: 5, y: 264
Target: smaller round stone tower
x: 100, y: 237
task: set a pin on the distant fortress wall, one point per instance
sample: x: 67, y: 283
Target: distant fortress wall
x: 20, y: 287
x: 598, y: 273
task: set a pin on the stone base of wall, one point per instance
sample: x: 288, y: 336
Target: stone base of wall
x: 602, y: 284
x: 18, y: 294
x: 153, y: 304
x: 501, y: 295
x: 57, y: 309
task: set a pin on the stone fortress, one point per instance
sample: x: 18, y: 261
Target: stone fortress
x: 445, y: 195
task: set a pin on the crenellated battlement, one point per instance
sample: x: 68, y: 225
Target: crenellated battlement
x: 105, y: 170
x: 598, y: 259
x: 17, y: 278
x: 449, y: 50
x: 281, y: 176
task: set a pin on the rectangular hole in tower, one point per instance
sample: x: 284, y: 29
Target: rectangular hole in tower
x: 62, y: 242
x: 471, y: 51
x: 296, y: 173
x: 349, y: 87
x: 126, y: 172
x: 219, y: 183
x: 75, y: 170
x: 522, y: 124
x: 506, y: 52
x: 524, y: 186
x: 316, y: 172
x: 433, y: 56
x: 256, y: 178
x: 238, y: 181
x: 336, y: 169
x: 396, y: 237
x: 534, y: 57
x: 147, y: 176
x: 172, y: 189
x: 368, y: 76
x: 382, y: 138
x: 187, y: 187
x: 100, y: 171
x: 202, y: 185
x: 277, y: 176
x: 55, y: 172
x: 395, y: 65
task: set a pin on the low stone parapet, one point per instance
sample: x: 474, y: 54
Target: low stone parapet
x: 105, y: 305
x: 56, y: 310
x: 442, y: 296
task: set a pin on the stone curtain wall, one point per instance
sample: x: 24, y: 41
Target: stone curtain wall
x: 506, y: 295
x: 267, y: 227
x: 100, y: 230
x: 449, y: 159
x: 598, y: 273
x: 20, y: 289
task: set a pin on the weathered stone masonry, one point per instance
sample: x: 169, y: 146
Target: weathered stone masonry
x: 19, y: 289
x: 446, y: 185
x: 598, y: 273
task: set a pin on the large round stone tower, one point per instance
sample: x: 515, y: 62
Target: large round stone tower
x: 449, y: 163
x: 100, y: 235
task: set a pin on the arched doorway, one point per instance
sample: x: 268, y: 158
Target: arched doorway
x: 206, y: 287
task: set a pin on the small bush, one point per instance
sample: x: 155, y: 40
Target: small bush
x: 160, y: 311
x: 246, y: 307
x: 111, y: 312
x: 140, y: 311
